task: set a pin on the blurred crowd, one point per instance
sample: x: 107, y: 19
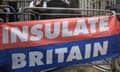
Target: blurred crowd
x: 34, y: 3
x: 44, y: 3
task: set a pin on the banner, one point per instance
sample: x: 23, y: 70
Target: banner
x: 42, y: 44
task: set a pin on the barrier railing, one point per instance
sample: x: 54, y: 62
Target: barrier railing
x: 24, y: 16
x: 75, y: 9
x: 13, y: 11
x: 17, y: 16
x: 69, y: 12
x: 51, y: 12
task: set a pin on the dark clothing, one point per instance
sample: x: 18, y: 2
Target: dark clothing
x: 56, y: 3
x: 38, y: 12
x: 3, y: 16
x: 115, y: 8
x: 41, y: 4
x: 6, y: 17
x: 3, y: 69
x: 52, y: 3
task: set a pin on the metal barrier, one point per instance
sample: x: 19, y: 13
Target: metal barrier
x: 27, y: 12
x: 77, y: 9
x: 89, y: 4
x: 51, y: 12
x: 67, y: 12
x: 25, y: 16
x: 13, y: 11
x: 17, y: 16
x: 74, y: 12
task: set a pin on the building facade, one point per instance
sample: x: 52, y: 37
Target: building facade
x: 96, y: 4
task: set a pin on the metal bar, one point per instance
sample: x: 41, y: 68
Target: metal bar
x: 68, y: 14
x: 21, y: 18
x: 73, y: 9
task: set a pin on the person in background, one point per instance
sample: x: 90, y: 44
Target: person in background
x: 37, y: 3
x: 1, y: 20
x: 2, y: 16
x: 49, y: 3
x: 6, y: 10
x: 57, y: 4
